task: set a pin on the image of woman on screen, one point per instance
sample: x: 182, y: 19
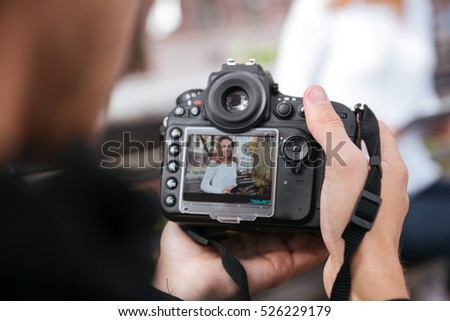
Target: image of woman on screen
x: 221, y: 173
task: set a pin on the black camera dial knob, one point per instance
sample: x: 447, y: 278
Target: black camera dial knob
x: 171, y: 200
x: 173, y: 166
x: 195, y: 111
x: 179, y: 111
x: 175, y: 133
x: 295, y: 149
x: 171, y: 183
x: 174, y: 149
x: 283, y: 109
x: 301, y: 110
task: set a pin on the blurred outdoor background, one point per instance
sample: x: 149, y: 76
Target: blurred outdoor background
x: 191, y: 38
x: 180, y: 42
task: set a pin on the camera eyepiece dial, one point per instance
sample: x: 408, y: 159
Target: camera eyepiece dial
x: 236, y: 101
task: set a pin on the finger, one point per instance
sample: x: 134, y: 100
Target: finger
x: 388, y: 145
x: 392, y: 161
x: 328, y: 129
x: 321, y: 118
x: 394, y: 168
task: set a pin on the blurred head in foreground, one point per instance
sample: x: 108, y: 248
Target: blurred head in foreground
x: 58, y: 63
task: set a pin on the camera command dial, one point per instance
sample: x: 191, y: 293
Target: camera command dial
x: 295, y: 149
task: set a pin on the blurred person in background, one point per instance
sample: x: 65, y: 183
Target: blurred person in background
x: 81, y: 234
x: 379, y: 52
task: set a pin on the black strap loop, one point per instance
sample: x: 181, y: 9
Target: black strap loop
x: 231, y: 264
x: 367, y: 206
x: 366, y: 210
x: 375, y: 161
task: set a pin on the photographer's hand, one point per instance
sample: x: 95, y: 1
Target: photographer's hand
x: 376, y: 270
x: 194, y: 272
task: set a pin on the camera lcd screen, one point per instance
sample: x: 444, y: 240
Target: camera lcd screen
x: 229, y: 171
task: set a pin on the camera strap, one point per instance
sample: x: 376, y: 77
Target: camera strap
x: 361, y: 221
x: 366, y: 208
x: 231, y: 264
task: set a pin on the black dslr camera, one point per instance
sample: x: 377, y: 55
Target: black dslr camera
x: 239, y: 155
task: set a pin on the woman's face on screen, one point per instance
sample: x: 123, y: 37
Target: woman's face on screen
x: 227, y: 147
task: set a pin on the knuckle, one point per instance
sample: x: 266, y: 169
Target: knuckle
x: 406, y: 203
x: 405, y: 176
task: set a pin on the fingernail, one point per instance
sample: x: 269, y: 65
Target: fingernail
x: 317, y: 96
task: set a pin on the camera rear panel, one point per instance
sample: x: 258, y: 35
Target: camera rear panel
x: 278, y: 166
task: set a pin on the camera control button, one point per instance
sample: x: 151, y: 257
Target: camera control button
x: 179, y: 111
x: 283, y: 110
x: 342, y: 115
x: 171, y: 200
x: 175, y: 133
x: 195, y: 111
x: 173, y: 166
x: 301, y: 110
x: 295, y: 149
x: 174, y: 149
x: 172, y: 183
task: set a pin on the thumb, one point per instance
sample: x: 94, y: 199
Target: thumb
x: 321, y: 118
x: 327, y: 128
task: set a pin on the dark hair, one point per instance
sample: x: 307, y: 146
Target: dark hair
x: 225, y: 137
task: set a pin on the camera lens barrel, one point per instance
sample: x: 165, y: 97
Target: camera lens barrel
x: 236, y: 101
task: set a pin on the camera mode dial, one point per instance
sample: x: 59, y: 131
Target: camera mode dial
x: 189, y: 95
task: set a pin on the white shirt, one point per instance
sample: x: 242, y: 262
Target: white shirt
x: 218, y: 176
x: 367, y: 53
